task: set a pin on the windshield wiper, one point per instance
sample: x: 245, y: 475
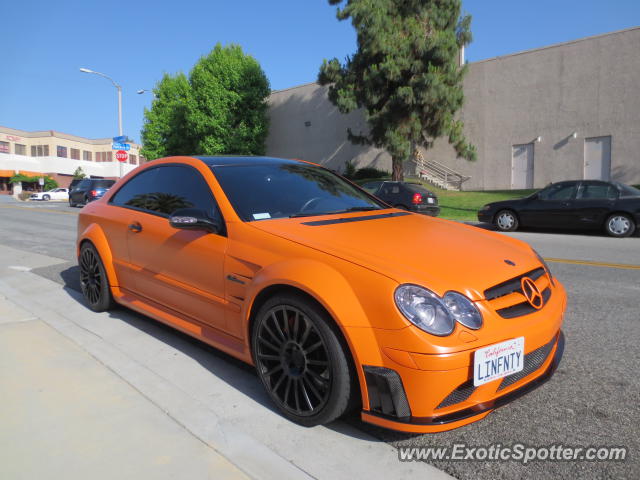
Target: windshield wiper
x: 351, y: 209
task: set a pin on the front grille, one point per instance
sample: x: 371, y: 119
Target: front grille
x: 459, y: 395
x: 532, y: 362
x: 524, y: 308
x: 508, y: 300
x: 513, y: 285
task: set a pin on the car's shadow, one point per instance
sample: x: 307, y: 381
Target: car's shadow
x: 232, y: 371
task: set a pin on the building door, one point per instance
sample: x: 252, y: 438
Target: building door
x: 522, y: 166
x: 597, y: 158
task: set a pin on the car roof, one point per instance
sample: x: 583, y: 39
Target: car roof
x: 223, y: 161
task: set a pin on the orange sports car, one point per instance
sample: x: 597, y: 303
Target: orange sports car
x: 339, y: 300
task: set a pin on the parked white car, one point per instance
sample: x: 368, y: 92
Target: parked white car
x: 54, y: 194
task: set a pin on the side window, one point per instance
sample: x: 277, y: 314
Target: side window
x: 558, y: 192
x: 165, y: 189
x: 597, y: 191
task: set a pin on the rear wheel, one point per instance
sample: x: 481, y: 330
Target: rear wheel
x: 301, y: 361
x: 93, y: 280
x: 506, y: 221
x: 619, y: 225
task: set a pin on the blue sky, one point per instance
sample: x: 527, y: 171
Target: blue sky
x: 135, y: 41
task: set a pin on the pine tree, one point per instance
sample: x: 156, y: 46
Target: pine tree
x: 405, y: 74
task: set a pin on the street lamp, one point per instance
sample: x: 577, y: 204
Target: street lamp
x: 119, y: 88
x: 146, y: 90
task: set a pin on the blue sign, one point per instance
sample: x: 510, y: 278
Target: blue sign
x: 120, y: 139
x: 121, y: 146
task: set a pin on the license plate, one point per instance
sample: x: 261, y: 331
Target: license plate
x: 430, y: 200
x: 497, y: 361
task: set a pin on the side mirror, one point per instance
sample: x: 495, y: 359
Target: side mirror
x: 193, y: 219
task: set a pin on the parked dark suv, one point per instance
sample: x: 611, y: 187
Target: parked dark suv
x: 408, y: 196
x: 88, y: 190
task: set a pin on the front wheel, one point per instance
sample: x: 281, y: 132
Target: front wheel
x: 301, y: 361
x: 619, y: 225
x: 94, y: 283
x: 506, y: 221
x: 46, y: 198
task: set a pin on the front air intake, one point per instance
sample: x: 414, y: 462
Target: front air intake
x: 386, y: 393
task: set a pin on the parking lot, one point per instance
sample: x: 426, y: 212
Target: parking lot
x: 593, y: 400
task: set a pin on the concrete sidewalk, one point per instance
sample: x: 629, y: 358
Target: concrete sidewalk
x: 116, y: 395
x: 65, y: 415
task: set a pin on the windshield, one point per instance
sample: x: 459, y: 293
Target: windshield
x: 261, y: 192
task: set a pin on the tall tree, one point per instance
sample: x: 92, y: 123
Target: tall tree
x: 405, y: 74
x: 228, y: 112
x: 165, y: 131
x: 220, y: 109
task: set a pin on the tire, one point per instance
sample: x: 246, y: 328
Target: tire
x: 94, y: 283
x: 619, y: 225
x: 46, y: 198
x: 506, y: 221
x: 301, y: 360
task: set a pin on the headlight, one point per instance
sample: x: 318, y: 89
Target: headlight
x: 463, y: 310
x: 485, y: 208
x: 424, y: 309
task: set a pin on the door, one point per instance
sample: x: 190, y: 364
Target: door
x: 522, y: 166
x: 180, y: 269
x: 594, y: 201
x: 551, y: 207
x: 597, y: 158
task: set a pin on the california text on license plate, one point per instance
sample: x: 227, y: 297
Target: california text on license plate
x: 498, y: 360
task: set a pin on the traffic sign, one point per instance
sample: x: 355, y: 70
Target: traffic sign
x: 120, y: 139
x: 122, y: 156
x: 120, y: 146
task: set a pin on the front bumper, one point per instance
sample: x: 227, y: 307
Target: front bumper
x: 468, y: 414
x: 485, y: 216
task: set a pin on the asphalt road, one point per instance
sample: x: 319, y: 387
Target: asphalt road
x: 593, y: 400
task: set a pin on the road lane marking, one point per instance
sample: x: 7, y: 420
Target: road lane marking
x: 623, y: 266
x: 38, y: 209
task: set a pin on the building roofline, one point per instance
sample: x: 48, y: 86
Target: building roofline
x: 294, y: 87
x: 54, y: 133
x: 556, y: 45
x: 500, y: 57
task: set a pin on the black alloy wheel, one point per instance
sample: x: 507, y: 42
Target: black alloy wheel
x: 301, y: 361
x: 93, y: 280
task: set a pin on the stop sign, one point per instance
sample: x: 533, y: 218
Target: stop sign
x: 122, y: 156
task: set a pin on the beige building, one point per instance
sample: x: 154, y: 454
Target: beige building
x: 58, y: 155
x: 563, y: 112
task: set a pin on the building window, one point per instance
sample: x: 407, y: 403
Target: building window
x: 133, y: 160
x: 39, y: 150
x: 4, y: 147
x: 21, y: 149
x: 108, y: 156
x: 61, y: 151
x: 75, y: 154
x: 86, y: 155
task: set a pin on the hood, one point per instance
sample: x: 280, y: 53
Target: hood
x: 438, y: 254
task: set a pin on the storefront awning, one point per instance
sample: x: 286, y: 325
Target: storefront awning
x: 7, y: 173
x: 32, y: 174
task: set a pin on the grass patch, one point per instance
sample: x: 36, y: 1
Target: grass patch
x: 463, y: 206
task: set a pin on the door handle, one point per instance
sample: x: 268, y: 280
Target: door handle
x: 135, y: 227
